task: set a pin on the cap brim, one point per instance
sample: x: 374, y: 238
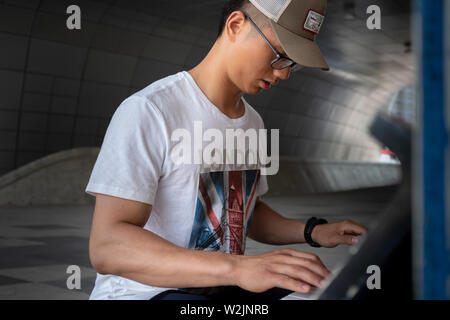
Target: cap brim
x: 303, y: 51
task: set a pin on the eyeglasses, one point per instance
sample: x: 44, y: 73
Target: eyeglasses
x: 281, y: 61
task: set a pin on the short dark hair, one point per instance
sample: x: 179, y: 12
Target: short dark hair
x: 230, y: 7
x: 247, y: 7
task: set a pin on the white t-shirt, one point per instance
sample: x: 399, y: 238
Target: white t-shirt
x: 193, y: 205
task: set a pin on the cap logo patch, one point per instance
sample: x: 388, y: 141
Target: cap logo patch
x: 313, y: 21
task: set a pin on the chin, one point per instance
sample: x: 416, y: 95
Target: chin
x: 254, y: 89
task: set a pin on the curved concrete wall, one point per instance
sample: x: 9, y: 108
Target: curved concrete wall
x: 57, y: 179
x: 61, y: 178
x: 299, y: 176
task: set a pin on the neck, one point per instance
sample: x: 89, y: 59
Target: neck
x: 212, y: 78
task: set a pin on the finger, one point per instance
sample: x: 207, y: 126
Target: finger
x: 298, y: 273
x: 300, y: 254
x: 349, y: 239
x: 305, y: 255
x: 350, y: 227
x: 315, y: 266
x: 288, y: 283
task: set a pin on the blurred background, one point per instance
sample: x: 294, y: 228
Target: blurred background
x: 60, y: 87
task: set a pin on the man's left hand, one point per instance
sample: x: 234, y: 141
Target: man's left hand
x: 330, y: 235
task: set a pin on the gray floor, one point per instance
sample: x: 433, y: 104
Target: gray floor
x: 38, y: 244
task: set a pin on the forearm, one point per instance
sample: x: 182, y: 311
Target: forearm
x: 270, y: 227
x: 138, y: 254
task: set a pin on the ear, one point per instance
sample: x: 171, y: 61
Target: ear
x: 235, y: 26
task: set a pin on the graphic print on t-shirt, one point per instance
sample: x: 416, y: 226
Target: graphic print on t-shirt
x: 225, y: 202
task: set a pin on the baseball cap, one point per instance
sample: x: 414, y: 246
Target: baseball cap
x: 296, y: 24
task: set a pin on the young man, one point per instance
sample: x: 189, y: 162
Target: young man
x: 161, y: 225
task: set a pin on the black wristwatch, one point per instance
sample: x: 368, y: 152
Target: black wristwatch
x: 310, y: 224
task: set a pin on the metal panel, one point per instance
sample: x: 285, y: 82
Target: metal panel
x: 431, y: 251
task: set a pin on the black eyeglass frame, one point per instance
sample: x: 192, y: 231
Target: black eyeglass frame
x: 289, y: 62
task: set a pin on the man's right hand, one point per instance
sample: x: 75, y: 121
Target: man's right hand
x: 287, y: 268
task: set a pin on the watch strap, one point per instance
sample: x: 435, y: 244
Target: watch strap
x: 310, y: 224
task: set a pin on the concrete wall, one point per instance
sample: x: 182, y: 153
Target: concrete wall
x: 61, y: 178
x: 299, y: 176
x: 57, y: 179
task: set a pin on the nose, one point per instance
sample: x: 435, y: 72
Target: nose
x: 283, y: 73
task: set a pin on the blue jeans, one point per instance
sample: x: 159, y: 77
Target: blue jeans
x: 228, y: 293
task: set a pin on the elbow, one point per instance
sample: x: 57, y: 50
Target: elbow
x: 98, y: 258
